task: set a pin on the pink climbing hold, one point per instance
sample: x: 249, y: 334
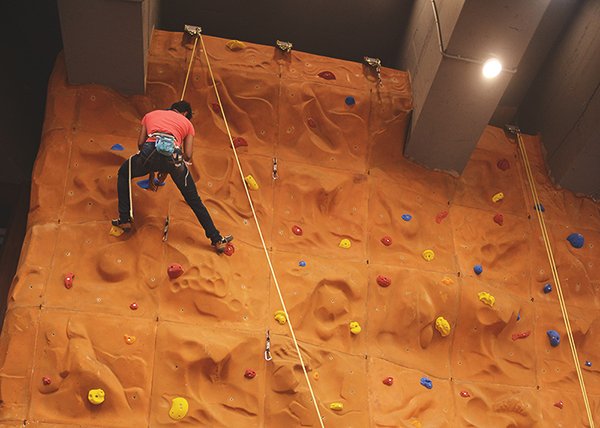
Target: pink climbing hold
x: 175, y: 270
x: 249, y: 374
x: 229, y: 250
x: 388, y: 381
x: 297, y: 230
x: 441, y: 215
x: 46, y: 380
x: 465, y: 394
x: 216, y: 108
x: 239, y: 142
x: 383, y: 281
x: 69, y: 280
x: 522, y: 335
x: 327, y: 75
x: 559, y: 404
x: 311, y: 122
x: 386, y: 240
x: 503, y: 164
x: 133, y: 306
x: 499, y: 219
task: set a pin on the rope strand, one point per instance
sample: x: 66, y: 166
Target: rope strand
x: 551, y: 260
x: 264, y: 245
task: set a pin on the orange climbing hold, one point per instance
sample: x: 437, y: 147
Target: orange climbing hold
x: 441, y: 216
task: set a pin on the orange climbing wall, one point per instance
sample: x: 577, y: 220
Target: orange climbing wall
x: 340, y: 176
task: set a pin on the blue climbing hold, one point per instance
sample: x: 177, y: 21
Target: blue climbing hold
x: 554, y: 337
x: 576, y: 240
x: 519, y: 316
x: 117, y: 147
x: 426, y: 382
x: 145, y: 184
x: 588, y: 364
x: 547, y: 288
x: 350, y: 101
x: 302, y: 263
x: 539, y: 207
x: 478, y: 269
x: 406, y: 217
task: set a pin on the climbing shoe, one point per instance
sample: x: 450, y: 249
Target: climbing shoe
x: 221, y: 245
x: 124, y: 225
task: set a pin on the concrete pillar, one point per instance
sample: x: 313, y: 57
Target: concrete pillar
x: 564, y: 104
x: 106, y: 41
x: 453, y: 101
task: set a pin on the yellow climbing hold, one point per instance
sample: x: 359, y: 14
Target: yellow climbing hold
x: 443, y: 326
x: 251, y: 182
x: 447, y: 280
x: 486, y: 298
x: 96, y: 396
x: 130, y: 340
x: 345, y: 243
x: 116, y: 231
x: 428, y: 255
x: 337, y: 406
x: 316, y: 375
x: 235, y: 45
x: 179, y: 408
x: 498, y: 197
x: 416, y: 423
x: 355, y: 327
x: 280, y: 317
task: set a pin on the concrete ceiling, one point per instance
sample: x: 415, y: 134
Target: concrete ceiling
x: 554, y: 46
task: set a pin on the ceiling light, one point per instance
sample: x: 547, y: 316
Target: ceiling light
x: 491, y: 68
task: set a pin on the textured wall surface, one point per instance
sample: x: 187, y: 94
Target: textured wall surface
x: 341, y: 176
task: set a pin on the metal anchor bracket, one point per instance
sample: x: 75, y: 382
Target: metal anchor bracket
x: 375, y: 64
x: 284, y: 46
x: 275, y: 176
x: 268, y: 356
x: 193, y: 30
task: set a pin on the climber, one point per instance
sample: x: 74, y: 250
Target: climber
x: 165, y: 145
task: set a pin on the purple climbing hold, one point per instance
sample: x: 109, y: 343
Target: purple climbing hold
x: 519, y: 316
x: 350, y: 101
x: 478, y: 269
x: 588, y: 364
x: 302, y: 263
x: 539, y: 207
x: 117, y: 147
x: 576, y: 240
x: 554, y: 337
x: 426, y: 382
x: 547, y: 288
x: 145, y: 184
x: 406, y: 217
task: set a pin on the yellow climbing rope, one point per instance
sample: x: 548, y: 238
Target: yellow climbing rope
x: 187, y: 76
x: 264, y: 245
x: 561, y: 299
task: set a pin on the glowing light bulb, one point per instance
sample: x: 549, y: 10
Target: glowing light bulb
x: 491, y: 68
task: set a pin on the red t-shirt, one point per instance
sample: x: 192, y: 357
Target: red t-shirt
x: 168, y: 122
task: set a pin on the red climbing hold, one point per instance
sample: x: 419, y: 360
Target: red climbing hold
x: 559, y: 404
x: 311, y: 122
x: 175, y: 270
x: 465, y: 394
x: 441, y: 215
x: 215, y: 107
x: 383, y: 281
x: 229, y: 250
x: 46, y: 380
x: 239, y: 142
x: 499, y: 219
x: 522, y: 335
x: 327, y: 75
x: 133, y: 306
x: 388, y: 381
x: 386, y: 240
x: 503, y: 164
x: 297, y: 230
x: 249, y: 374
x: 69, y: 280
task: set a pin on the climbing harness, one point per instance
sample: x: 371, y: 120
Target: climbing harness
x: 563, y: 307
x: 260, y: 234
x: 268, y: 356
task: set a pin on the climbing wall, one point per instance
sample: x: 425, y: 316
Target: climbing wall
x: 417, y: 298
